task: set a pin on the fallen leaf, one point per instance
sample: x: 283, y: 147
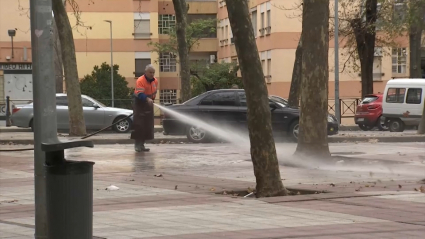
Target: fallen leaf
x: 399, y: 186
x: 416, y: 189
x: 367, y: 185
x: 422, y: 189
x: 224, y: 193
x: 158, y: 175
x: 131, y: 180
x: 212, y: 189
x: 332, y: 184
x: 250, y: 190
x: 175, y: 188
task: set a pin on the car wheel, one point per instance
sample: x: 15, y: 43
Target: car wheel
x: 396, y: 125
x: 196, y: 134
x: 382, y: 124
x: 122, y: 127
x: 32, y: 125
x: 294, y: 131
x: 365, y: 127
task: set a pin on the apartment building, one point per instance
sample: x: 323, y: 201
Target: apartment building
x: 277, y: 34
x: 135, y: 24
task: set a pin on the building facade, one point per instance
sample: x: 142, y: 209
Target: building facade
x: 136, y: 23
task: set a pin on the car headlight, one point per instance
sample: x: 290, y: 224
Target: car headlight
x: 331, y: 119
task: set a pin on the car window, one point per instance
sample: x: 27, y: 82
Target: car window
x: 61, y: 101
x: 414, y: 96
x: 242, y: 98
x: 86, y: 102
x: 220, y: 99
x: 369, y: 99
x: 395, y: 95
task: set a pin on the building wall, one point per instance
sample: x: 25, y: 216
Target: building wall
x: 278, y: 44
x: 92, y: 34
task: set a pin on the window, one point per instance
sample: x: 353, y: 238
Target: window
x: 208, y: 33
x: 221, y: 99
x: 167, y: 62
x: 369, y: 99
x: 396, y: 95
x: 140, y: 65
x: 166, y: 23
x: 142, y: 29
x: 168, y: 96
x: 86, y: 102
x: 232, y: 41
x: 269, y: 24
x: 254, y: 21
x: 61, y: 101
x: 414, y: 96
x: 399, y: 11
x: 399, y: 64
x: 226, y: 32
x: 242, y: 98
x: 262, y: 24
x: 377, y: 68
x: 269, y: 67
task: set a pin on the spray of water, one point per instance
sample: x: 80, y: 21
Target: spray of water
x: 222, y: 132
x: 241, y: 141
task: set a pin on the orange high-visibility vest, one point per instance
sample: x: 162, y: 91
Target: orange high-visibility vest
x: 146, y: 87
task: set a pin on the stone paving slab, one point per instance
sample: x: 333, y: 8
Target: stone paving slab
x: 183, y: 202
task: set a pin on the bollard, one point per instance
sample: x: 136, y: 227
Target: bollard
x: 69, y: 193
x: 8, y: 123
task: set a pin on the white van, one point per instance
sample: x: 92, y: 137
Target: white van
x: 403, y: 103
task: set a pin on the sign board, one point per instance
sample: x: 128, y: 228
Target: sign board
x: 15, y: 66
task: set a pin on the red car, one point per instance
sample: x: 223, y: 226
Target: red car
x: 369, y: 113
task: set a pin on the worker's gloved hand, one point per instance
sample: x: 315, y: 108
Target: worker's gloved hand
x: 141, y: 96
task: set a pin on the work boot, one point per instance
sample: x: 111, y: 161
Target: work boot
x: 139, y: 146
x: 143, y: 148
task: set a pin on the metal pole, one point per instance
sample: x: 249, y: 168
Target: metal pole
x: 336, y: 37
x: 13, y: 54
x: 44, y: 100
x: 8, y: 123
x: 112, y: 71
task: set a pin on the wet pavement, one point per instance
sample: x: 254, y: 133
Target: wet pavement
x: 372, y: 190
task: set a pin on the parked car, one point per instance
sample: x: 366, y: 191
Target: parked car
x: 228, y: 107
x: 404, y: 103
x: 369, y: 113
x: 96, y: 115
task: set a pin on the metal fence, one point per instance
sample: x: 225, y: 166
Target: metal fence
x: 348, y: 107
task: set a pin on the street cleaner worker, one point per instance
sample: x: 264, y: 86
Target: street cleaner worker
x: 143, y: 111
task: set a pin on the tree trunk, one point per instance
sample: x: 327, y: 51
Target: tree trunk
x: 57, y: 60
x: 77, y: 125
x: 294, y: 92
x: 263, y: 151
x: 313, y: 134
x: 416, y: 31
x: 365, y: 35
x: 180, y: 7
x: 415, y: 35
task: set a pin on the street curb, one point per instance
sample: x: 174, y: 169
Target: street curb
x: 16, y: 129
x: 333, y: 139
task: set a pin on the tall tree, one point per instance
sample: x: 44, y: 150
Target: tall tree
x: 416, y: 28
x: 76, y: 116
x: 313, y: 137
x: 294, y: 91
x: 181, y: 8
x: 263, y: 151
x: 365, y: 35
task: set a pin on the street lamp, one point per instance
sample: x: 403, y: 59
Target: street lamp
x: 336, y: 38
x: 112, y: 65
x: 12, y: 33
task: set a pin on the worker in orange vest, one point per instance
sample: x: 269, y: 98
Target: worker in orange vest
x: 143, y: 111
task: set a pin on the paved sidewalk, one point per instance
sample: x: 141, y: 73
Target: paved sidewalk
x: 160, y: 138
x: 372, y: 191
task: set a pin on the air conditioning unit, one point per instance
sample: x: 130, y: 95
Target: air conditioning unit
x: 212, y: 59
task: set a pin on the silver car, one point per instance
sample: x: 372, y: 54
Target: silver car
x: 96, y: 115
